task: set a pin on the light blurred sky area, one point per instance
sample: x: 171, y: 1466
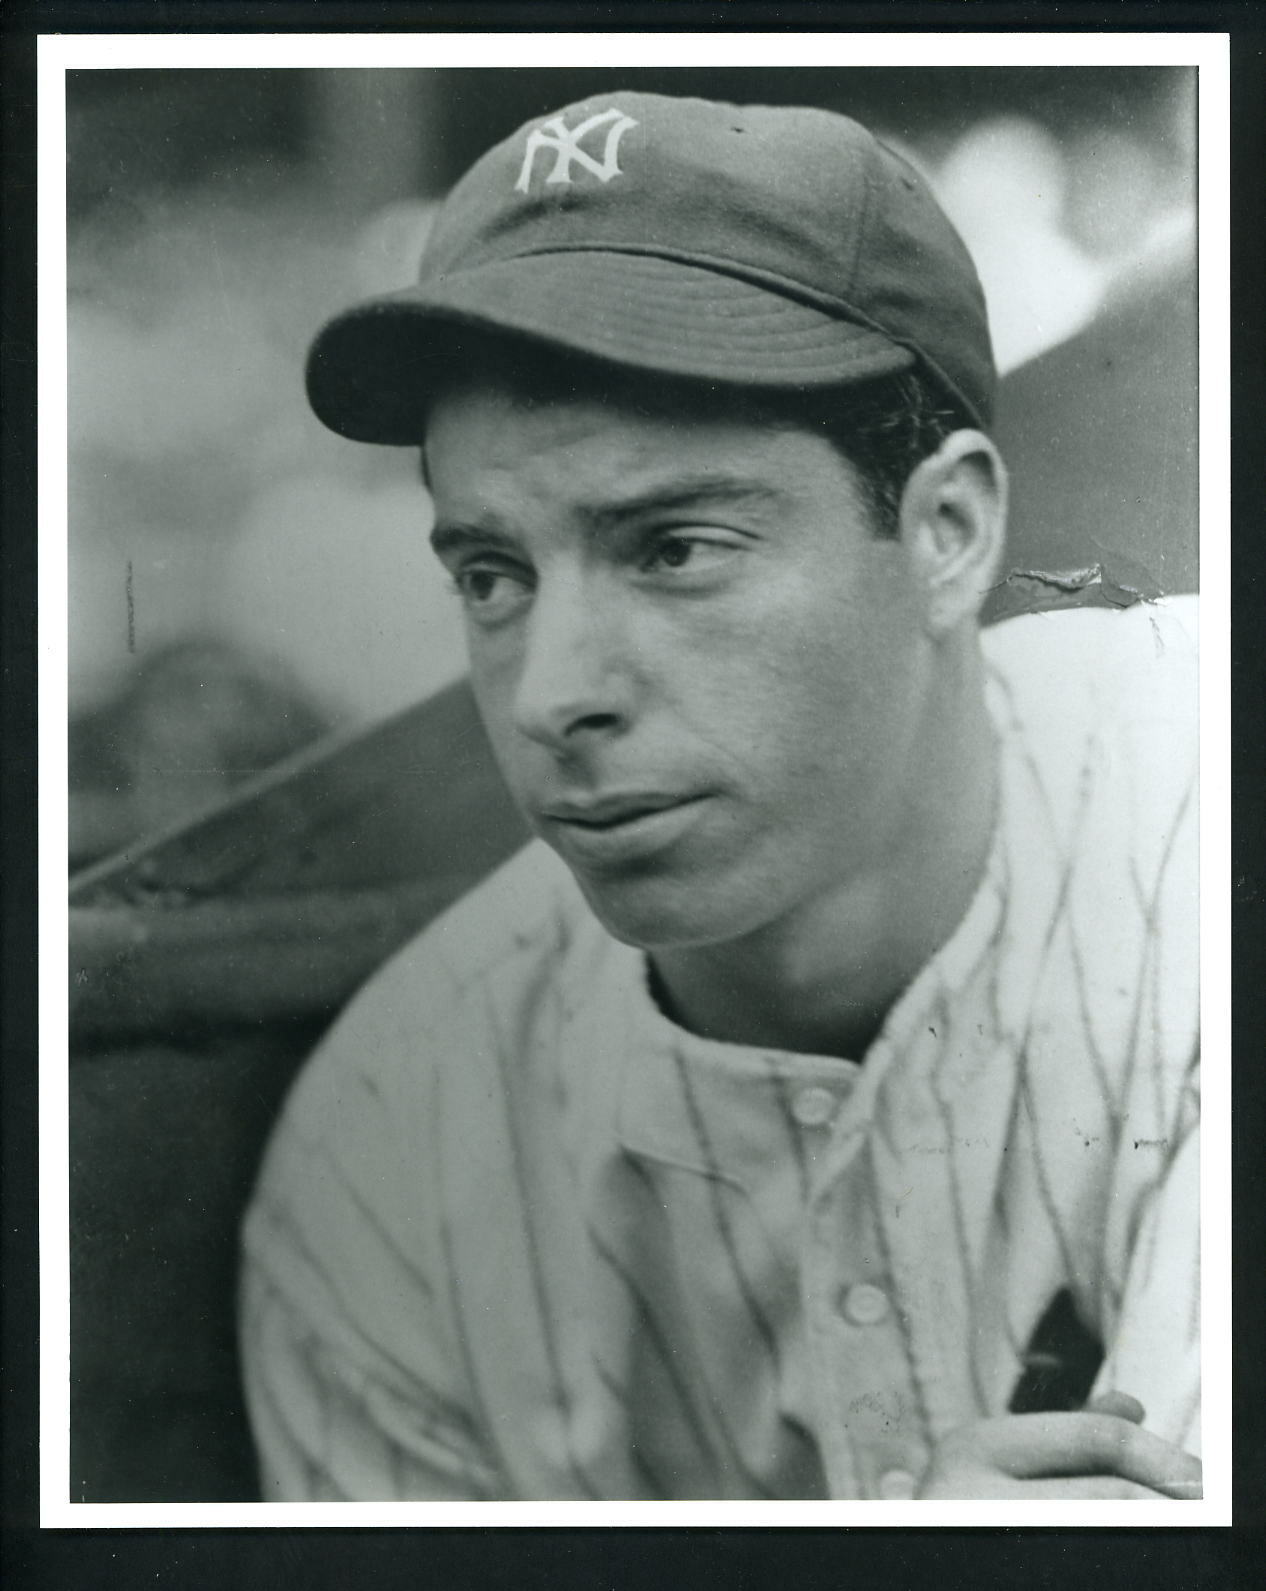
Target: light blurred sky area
x: 217, y: 218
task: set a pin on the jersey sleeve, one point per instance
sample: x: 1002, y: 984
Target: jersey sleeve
x: 1152, y: 1249
x: 1155, y: 1351
x: 352, y: 1361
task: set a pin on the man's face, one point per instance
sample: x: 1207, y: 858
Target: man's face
x: 704, y: 677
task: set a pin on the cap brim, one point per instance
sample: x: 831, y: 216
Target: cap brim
x: 371, y: 371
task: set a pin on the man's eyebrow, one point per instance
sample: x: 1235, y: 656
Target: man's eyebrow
x: 454, y: 537
x: 678, y: 495
x: 681, y: 493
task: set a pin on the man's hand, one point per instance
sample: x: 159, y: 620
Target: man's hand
x: 1101, y: 1451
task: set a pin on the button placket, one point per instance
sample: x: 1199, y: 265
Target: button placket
x: 870, y: 1419
x: 883, y: 1421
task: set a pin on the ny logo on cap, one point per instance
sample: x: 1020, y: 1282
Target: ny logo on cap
x: 565, y: 144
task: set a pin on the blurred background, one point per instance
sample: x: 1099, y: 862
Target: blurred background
x: 241, y: 580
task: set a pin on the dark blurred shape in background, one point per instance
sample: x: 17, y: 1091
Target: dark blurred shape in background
x: 198, y: 718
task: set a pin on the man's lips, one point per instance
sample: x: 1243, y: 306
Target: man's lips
x: 604, y: 834
x: 613, y: 810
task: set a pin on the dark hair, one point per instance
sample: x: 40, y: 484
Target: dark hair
x: 882, y: 427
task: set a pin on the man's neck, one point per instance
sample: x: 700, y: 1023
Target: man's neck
x: 823, y: 980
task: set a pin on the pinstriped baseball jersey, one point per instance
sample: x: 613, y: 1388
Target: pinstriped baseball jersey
x: 519, y: 1235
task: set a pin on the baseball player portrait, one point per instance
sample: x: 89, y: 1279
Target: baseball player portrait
x: 810, y: 1109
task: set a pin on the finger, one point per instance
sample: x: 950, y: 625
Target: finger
x: 990, y: 1485
x: 1094, y: 1488
x: 1086, y: 1443
x: 1120, y: 1404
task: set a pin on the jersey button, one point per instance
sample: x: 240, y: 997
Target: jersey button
x: 864, y: 1304
x: 897, y: 1483
x: 813, y: 1107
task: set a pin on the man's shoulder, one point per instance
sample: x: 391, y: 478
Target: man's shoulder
x: 530, y: 906
x: 1097, y: 711
x: 467, y: 982
x: 529, y: 914
x: 1123, y: 663
x: 1123, y: 681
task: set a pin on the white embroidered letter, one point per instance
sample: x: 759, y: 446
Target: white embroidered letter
x: 565, y: 145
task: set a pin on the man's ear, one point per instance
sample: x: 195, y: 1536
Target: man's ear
x: 953, y: 521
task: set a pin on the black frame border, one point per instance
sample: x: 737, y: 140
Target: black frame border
x: 742, y: 1560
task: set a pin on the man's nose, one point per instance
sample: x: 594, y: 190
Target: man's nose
x: 575, y: 677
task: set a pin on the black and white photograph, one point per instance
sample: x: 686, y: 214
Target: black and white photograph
x: 634, y: 651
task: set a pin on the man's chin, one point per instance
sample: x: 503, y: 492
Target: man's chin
x: 660, y: 914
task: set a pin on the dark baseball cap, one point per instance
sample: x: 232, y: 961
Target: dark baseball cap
x: 753, y: 246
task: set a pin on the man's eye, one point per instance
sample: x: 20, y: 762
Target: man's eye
x: 693, y: 552
x: 675, y: 552
x: 489, y: 594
